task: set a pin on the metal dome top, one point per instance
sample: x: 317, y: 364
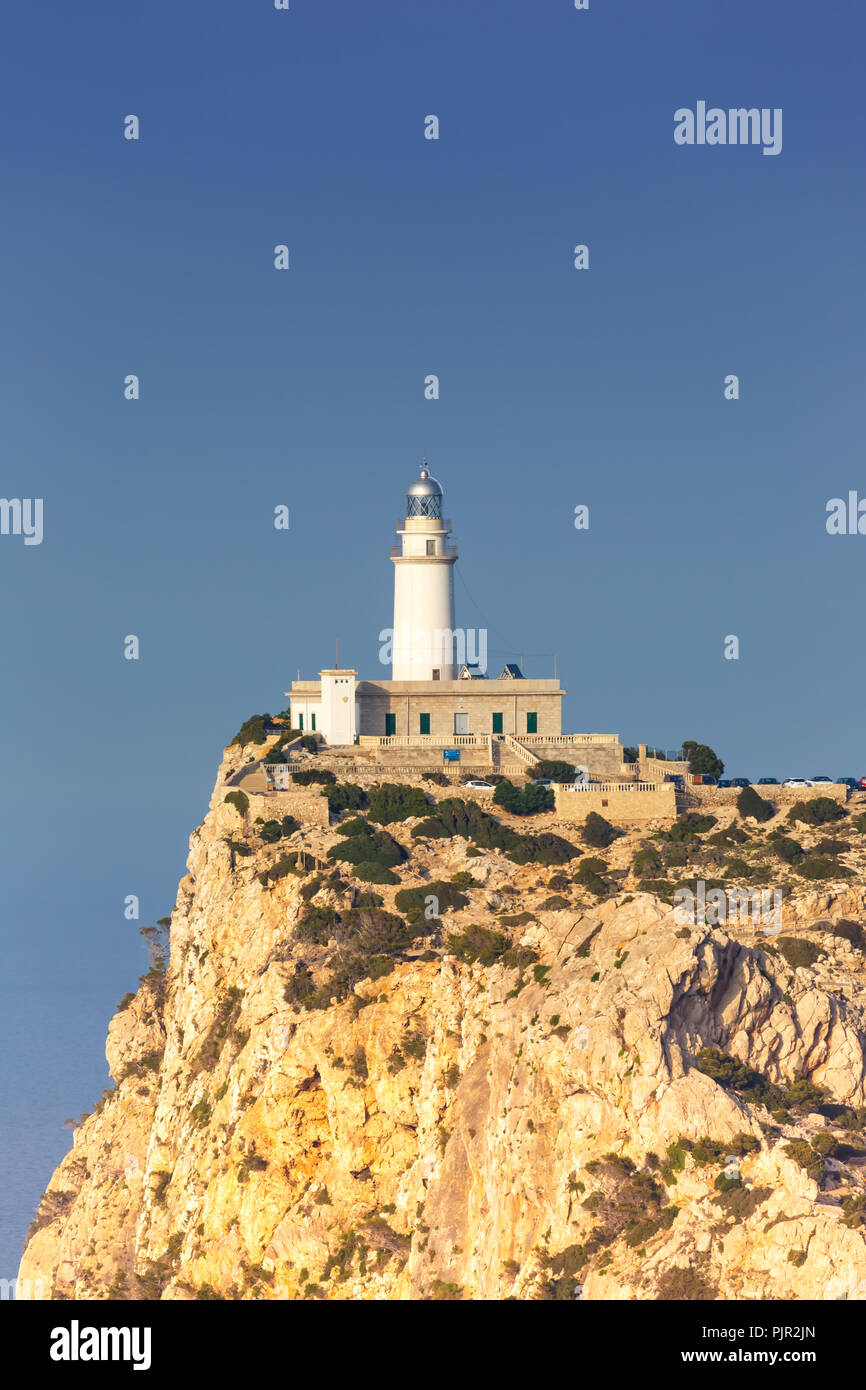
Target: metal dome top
x: 425, y: 485
x: 424, y: 497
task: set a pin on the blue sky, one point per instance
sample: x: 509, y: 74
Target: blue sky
x: 305, y: 388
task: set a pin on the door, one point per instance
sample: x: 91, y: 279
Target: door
x: 423, y: 723
x: 532, y: 723
x: 390, y: 725
x: 461, y: 723
x: 497, y: 724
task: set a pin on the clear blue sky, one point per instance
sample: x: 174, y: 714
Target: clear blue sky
x: 305, y: 388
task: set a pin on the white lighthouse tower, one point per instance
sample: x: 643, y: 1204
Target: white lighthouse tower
x: 424, y: 641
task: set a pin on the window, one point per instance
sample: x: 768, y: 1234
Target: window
x: 532, y: 723
x: 497, y: 723
x: 436, y: 670
x: 301, y: 722
x: 390, y: 725
x: 431, y: 547
x: 423, y: 723
x: 313, y: 723
x: 461, y: 723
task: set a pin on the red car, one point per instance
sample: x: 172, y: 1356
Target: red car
x: 863, y: 783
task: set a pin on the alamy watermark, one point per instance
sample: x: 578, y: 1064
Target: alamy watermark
x: 22, y: 516
x: 434, y: 646
x: 737, y: 126
x: 719, y: 907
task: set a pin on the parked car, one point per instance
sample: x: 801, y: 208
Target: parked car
x: 675, y: 777
x: 479, y: 786
x: 797, y: 782
x: 863, y: 783
x: 724, y: 781
x: 768, y: 782
x: 822, y: 779
x: 740, y: 782
x: 852, y: 782
x: 541, y: 782
x: 705, y: 780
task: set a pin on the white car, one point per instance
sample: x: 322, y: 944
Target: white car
x: 480, y: 786
x: 798, y: 782
x: 541, y: 782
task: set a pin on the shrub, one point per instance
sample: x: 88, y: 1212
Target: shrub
x: 750, y: 803
x: 310, y: 775
x: 815, y: 867
x: 376, y: 848
x: 808, y: 1159
x: 553, y: 770
x: 390, y: 801
x: 527, y: 801
x: 791, y: 851
x: 310, y: 743
x: 271, y: 831
x: 252, y: 730
x: 479, y: 944
x: 821, y: 811
x: 797, y: 951
x: 853, y: 932
x: 437, y: 778
x: 239, y: 800
x: 597, y: 832
x: 646, y: 860
x: 689, y: 827
x: 589, y: 875
x: 685, y: 1285
x: 286, y: 864
x: 356, y: 825
x: 345, y: 796
x: 370, y: 872
x: 413, y: 901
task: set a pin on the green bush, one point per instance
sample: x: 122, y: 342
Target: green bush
x: 798, y: 951
x: 750, y: 803
x: 589, y: 875
x: 808, y: 1159
x: 480, y: 944
x: 412, y: 901
x: 370, y: 872
x: 646, y: 860
x: 310, y: 743
x: 345, y: 796
x: 821, y: 811
x: 597, y: 832
x: 791, y: 851
x: 239, y: 800
x: 553, y: 770
x: 527, y: 801
x: 376, y: 848
x: 356, y: 825
x: 310, y: 775
x: 286, y: 864
x: 853, y: 932
x: 252, y: 730
x: 689, y: 826
x: 816, y: 868
x: 271, y: 831
x: 466, y: 819
x: 391, y: 801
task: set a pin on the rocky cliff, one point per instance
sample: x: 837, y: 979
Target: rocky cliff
x: 549, y: 1090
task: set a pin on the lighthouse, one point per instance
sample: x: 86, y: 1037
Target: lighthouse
x: 424, y: 640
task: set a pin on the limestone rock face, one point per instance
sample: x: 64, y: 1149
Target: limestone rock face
x: 452, y: 1129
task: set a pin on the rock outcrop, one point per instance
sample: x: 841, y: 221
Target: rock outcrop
x: 561, y: 1119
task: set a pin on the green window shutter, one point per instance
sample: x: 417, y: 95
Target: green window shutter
x: 497, y: 723
x: 313, y: 723
x: 301, y: 722
x: 390, y: 725
x: 532, y: 723
x: 423, y: 723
